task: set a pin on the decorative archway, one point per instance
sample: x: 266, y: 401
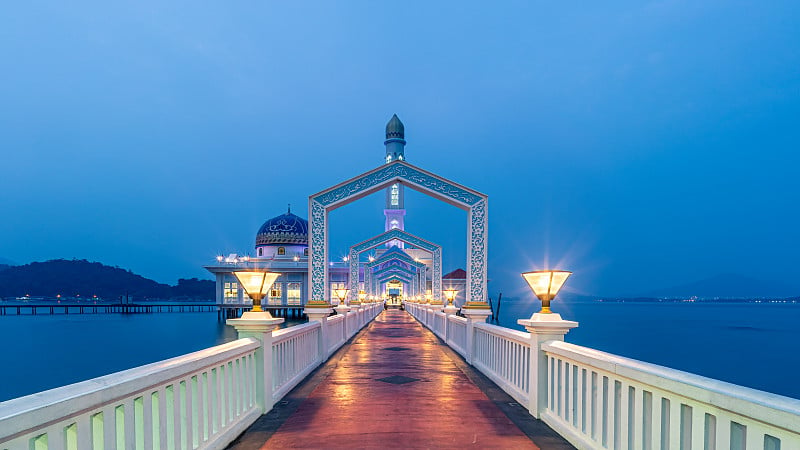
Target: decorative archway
x: 408, y: 238
x: 411, y: 274
x: 393, y: 275
x: 475, y: 203
x: 397, y: 255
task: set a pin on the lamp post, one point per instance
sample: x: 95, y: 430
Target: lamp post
x: 545, y: 284
x: 256, y: 284
x: 362, y: 297
x: 342, y: 308
x: 450, y: 295
x: 543, y: 326
x: 342, y: 294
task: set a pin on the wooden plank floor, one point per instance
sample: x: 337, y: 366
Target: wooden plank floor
x: 395, y: 386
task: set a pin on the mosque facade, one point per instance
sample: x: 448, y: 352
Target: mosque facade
x: 396, y: 268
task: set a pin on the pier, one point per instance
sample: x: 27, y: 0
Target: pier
x: 462, y: 382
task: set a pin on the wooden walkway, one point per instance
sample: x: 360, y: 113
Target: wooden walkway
x: 396, y: 385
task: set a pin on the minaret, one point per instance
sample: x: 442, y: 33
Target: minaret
x: 395, y: 145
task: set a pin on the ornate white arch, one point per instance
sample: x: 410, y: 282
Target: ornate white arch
x: 395, y: 253
x: 475, y: 203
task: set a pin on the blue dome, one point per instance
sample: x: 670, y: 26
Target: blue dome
x: 284, y: 229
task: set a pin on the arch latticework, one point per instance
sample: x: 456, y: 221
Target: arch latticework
x: 475, y: 203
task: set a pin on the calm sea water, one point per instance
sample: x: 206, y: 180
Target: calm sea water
x: 751, y: 345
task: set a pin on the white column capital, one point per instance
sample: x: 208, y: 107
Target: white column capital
x: 450, y: 310
x: 547, y: 324
x: 476, y: 314
x: 254, y: 323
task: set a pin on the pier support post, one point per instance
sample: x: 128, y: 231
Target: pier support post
x: 473, y: 314
x: 259, y: 326
x: 543, y: 328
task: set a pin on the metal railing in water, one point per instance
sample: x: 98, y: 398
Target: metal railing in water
x: 598, y: 400
x: 202, y: 400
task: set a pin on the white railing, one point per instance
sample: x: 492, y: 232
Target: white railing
x: 200, y: 400
x: 295, y: 353
x: 439, y: 324
x: 336, y: 333
x: 504, y: 355
x: 600, y: 399
x: 457, y: 334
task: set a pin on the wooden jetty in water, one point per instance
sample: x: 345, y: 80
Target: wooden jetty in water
x: 223, y: 310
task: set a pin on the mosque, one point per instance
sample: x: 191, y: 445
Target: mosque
x: 395, y: 263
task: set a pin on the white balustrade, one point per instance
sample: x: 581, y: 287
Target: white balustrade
x: 602, y: 399
x: 336, y: 333
x: 457, y: 334
x: 599, y: 400
x: 295, y: 353
x: 439, y: 324
x: 202, y: 400
x: 503, y: 355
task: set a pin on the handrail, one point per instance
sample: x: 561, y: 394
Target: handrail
x: 287, y: 333
x: 741, y: 400
x: 49, y: 405
x: 184, y: 379
x: 515, y: 335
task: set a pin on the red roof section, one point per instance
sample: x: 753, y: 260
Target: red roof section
x: 458, y: 274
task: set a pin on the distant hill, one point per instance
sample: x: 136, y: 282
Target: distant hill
x: 729, y: 286
x: 72, y: 277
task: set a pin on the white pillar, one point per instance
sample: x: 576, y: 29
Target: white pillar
x: 220, y: 293
x: 260, y: 326
x: 543, y: 328
x: 474, y: 315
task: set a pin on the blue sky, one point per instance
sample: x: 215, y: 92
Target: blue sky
x: 638, y: 144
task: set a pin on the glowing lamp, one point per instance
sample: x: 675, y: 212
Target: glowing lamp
x: 428, y: 297
x: 342, y: 294
x: 362, y: 296
x: 450, y: 295
x: 546, y: 284
x: 256, y: 285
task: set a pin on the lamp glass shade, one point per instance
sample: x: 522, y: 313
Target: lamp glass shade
x: 546, y: 283
x: 362, y: 296
x: 256, y: 283
x: 450, y: 294
x: 341, y: 293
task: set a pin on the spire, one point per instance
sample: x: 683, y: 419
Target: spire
x: 290, y: 209
x: 395, y: 128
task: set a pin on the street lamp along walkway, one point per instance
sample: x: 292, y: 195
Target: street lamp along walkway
x: 545, y: 284
x: 256, y: 284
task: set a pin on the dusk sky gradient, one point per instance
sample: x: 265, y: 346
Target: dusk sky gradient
x: 638, y: 144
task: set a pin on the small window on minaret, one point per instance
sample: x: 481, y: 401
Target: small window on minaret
x: 400, y: 157
x: 388, y: 158
x: 394, y: 224
x: 281, y: 250
x: 260, y: 251
x: 395, y: 195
